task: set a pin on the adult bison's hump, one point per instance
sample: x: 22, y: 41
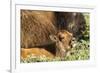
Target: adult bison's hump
x: 36, y: 26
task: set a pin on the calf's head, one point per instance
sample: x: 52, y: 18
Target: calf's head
x: 62, y: 42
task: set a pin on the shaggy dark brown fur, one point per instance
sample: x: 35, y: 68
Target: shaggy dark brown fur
x: 36, y: 26
x: 73, y: 22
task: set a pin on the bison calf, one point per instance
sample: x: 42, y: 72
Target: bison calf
x: 62, y: 42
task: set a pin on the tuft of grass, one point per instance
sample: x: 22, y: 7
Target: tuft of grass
x: 80, y: 52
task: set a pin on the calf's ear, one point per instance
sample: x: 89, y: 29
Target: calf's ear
x: 54, y: 38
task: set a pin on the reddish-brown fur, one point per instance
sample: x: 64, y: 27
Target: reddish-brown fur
x: 62, y: 42
x: 35, y: 52
x: 65, y: 37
